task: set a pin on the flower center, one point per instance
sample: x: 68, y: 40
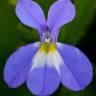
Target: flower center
x: 47, y: 35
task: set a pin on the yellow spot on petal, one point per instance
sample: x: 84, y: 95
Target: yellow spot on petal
x: 50, y: 47
x: 43, y: 47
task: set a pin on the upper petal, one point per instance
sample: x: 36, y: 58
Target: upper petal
x: 60, y: 13
x: 76, y: 71
x: 30, y: 14
x: 18, y: 65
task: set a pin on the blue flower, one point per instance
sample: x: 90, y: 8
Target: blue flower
x: 43, y: 65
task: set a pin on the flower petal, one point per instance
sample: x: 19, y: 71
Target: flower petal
x: 18, y: 65
x: 55, y: 33
x: 42, y: 80
x: 76, y: 72
x: 30, y: 14
x: 60, y: 13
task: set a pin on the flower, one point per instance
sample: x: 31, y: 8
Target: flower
x: 43, y: 65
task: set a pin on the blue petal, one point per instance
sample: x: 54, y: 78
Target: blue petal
x: 43, y: 81
x: 60, y: 13
x: 18, y: 65
x: 30, y: 14
x: 76, y: 72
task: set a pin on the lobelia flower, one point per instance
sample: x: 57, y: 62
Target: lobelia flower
x: 43, y: 65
